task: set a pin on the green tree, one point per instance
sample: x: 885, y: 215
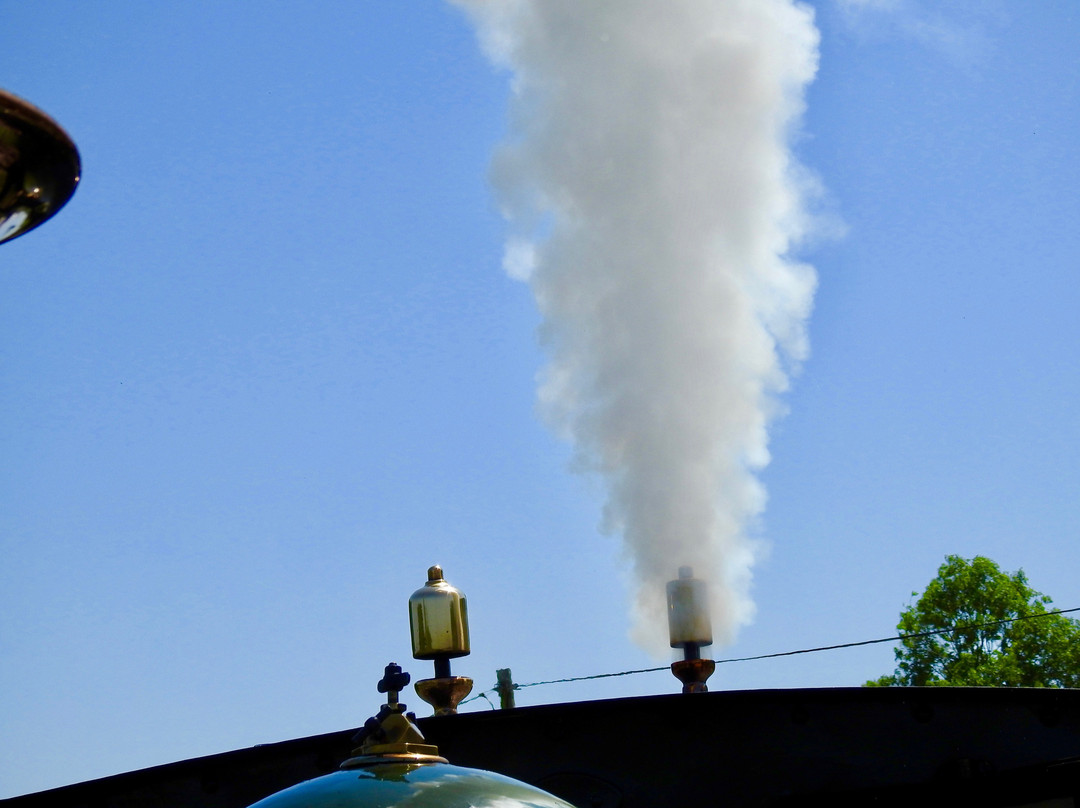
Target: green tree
x: 971, y: 597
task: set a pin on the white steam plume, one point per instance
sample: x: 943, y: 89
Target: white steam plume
x: 653, y: 202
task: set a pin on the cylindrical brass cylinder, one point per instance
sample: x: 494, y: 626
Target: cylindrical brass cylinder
x: 439, y: 619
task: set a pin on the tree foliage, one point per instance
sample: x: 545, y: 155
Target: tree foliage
x: 972, y: 597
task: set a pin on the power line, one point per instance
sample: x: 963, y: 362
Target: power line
x: 912, y: 636
x: 898, y: 637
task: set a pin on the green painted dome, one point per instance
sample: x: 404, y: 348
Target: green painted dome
x: 411, y: 785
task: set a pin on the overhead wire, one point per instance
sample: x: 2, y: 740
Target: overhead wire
x: 895, y: 638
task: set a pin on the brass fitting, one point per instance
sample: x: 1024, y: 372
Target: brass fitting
x: 693, y: 673
x: 444, y: 693
x: 391, y: 736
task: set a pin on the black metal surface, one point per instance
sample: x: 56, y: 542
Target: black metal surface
x: 877, y: 746
x: 39, y: 167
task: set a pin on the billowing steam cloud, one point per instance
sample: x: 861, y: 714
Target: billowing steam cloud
x: 653, y: 202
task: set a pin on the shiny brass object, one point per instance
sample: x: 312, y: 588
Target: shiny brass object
x: 39, y: 167
x: 439, y: 620
x: 444, y: 693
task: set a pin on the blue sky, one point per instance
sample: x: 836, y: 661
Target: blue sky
x: 265, y: 368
